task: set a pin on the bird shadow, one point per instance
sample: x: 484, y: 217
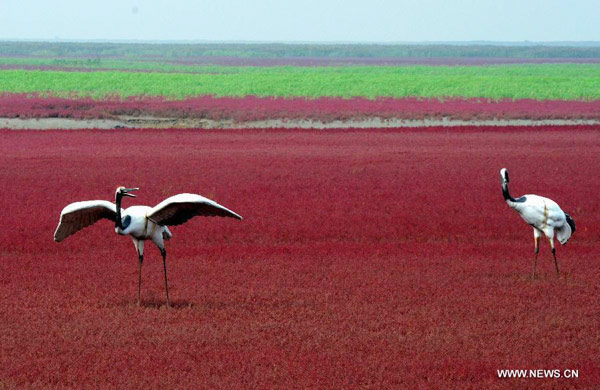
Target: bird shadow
x: 158, y: 304
x: 549, y: 277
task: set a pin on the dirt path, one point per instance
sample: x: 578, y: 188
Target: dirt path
x: 154, y: 122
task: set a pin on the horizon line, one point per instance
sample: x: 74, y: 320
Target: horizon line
x: 567, y: 43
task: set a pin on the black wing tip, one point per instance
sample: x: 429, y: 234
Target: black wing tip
x: 229, y: 214
x: 233, y: 215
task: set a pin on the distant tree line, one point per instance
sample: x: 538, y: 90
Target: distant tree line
x: 280, y: 50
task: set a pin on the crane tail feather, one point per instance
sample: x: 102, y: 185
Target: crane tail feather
x: 566, y: 231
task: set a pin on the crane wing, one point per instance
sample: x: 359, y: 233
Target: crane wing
x: 78, y: 215
x: 179, y: 208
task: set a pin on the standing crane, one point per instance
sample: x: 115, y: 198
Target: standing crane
x: 544, y: 215
x: 141, y: 223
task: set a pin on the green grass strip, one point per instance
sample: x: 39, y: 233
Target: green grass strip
x: 539, y: 81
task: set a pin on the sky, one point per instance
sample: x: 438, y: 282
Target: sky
x: 368, y: 21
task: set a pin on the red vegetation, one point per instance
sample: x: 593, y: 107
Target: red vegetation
x: 326, y: 109
x: 370, y: 61
x: 321, y: 61
x: 382, y: 259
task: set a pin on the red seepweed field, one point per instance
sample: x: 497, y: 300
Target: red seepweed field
x: 365, y: 259
x: 253, y: 108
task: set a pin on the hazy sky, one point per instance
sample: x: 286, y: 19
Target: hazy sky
x: 309, y: 20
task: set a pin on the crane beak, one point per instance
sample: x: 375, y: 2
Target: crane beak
x: 126, y: 192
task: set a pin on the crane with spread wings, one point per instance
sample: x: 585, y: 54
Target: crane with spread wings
x: 141, y: 223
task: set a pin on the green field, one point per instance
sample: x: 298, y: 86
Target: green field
x: 531, y: 81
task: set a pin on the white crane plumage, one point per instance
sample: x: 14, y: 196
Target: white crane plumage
x: 140, y: 222
x: 544, y: 215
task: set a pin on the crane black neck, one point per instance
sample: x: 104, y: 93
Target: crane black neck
x: 509, y: 198
x: 505, y: 192
x: 118, y: 222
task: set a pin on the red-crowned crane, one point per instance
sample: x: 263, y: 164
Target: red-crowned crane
x: 544, y: 215
x: 140, y: 222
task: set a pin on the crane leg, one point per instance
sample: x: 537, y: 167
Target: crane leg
x: 536, y: 239
x: 164, y: 256
x: 554, y: 254
x: 141, y: 258
x: 139, y: 247
x: 537, y: 250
